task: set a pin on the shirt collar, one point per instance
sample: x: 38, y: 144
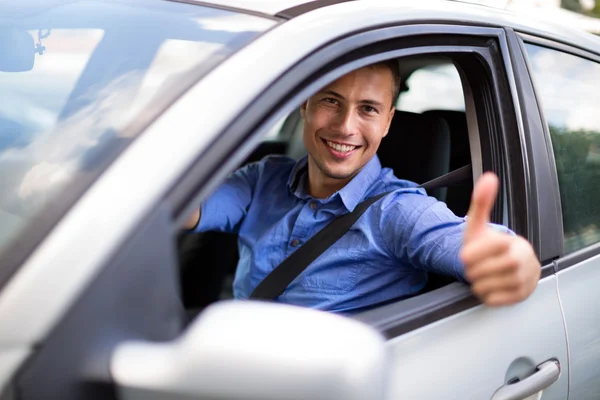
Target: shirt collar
x: 297, y: 178
x: 351, y: 194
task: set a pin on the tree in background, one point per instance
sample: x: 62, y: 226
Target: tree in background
x: 571, y: 5
x: 575, y: 5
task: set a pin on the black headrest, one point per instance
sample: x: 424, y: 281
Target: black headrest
x: 417, y: 148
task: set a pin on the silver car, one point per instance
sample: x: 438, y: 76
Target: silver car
x: 118, y: 117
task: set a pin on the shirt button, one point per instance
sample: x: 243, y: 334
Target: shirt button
x: 295, y: 242
x: 313, y: 205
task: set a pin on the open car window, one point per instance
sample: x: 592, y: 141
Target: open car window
x: 75, y: 76
x: 431, y: 107
x: 432, y: 87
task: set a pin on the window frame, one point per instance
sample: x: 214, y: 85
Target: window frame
x: 562, y: 260
x: 325, y: 65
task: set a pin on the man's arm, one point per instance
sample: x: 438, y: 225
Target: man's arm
x: 227, y: 207
x: 501, y: 267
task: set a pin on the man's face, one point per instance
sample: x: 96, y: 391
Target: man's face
x: 345, y: 121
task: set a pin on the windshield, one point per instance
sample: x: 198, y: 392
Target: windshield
x: 75, y: 76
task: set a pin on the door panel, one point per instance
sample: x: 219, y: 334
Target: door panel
x: 134, y: 298
x: 566, y: 81
x: 580, y: 297
x: 471, y: 354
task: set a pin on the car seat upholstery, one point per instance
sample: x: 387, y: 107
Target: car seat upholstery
x: 417, y: 148
x: 296, y: 149
x: 458, y: 195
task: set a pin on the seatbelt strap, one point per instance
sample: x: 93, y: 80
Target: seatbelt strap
x: 275, y: 283
x: 458, y: 175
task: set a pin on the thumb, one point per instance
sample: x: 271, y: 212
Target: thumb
x: 482, y: 202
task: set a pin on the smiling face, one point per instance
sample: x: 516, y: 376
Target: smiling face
x: 343, y: 126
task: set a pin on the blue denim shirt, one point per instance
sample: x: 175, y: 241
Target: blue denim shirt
x: 385, y: 255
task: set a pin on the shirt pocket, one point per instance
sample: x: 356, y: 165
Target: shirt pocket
x: 337, y: 270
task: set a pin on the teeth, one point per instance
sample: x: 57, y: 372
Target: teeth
x: 340, y: 147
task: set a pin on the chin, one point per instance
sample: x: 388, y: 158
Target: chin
x: 340, y: 173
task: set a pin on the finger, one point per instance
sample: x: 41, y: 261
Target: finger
x: 499, y: 265
x: 482, y: 202
x: 495, y: 283
x: 488, y: 245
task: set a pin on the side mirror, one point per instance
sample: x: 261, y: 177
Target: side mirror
x: 256, y: 350
x: 17, y: 51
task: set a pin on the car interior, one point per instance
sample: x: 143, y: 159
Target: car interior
x: 428, y: 138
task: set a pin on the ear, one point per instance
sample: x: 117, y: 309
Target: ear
x: 303, y: 109
x: 391, y: 116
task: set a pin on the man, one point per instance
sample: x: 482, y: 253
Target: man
x: 276, y: 205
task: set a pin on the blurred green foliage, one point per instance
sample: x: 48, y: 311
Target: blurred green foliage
x: 577, y: 155
x: 574, y: 5
x: 571, y: 5
x: 595, y: 12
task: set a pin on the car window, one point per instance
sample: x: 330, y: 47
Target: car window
x: 418, y: 108
x: 70, y: 85
x: 568, y: 89
x: 434, y: 87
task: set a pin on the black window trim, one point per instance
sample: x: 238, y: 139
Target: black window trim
x: 543, y: 209
x: 223, y: 155
x: 563, y: 261
x: 233, y: 9
x: 560, y: 46
x: 309, y: 6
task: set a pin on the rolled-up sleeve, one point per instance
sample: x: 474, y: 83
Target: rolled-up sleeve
x: 226, y: 208
x: 423, y: 232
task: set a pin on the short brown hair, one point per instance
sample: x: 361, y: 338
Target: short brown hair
x: 393, y: 66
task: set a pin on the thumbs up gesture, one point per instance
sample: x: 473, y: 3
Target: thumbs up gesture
x: 503, y: 269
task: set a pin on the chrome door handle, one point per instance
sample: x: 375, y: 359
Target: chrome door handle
x: 547, y: 373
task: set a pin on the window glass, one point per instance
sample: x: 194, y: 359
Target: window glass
x: 275, y: 132
x: 434, y: 87
x: 568, y: 87
x: 74, y: 74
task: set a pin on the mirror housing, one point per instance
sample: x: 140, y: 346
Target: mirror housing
x: 257, y: 350
x: 17, y: 51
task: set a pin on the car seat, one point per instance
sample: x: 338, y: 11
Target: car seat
x: 417, y: 148
x: 458, y: 195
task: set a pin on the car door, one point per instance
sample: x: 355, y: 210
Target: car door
x: 117, y: 281
x: 67, y: 115
x: 566, y: 79
x: 499, y: 350
x: 443, y: 344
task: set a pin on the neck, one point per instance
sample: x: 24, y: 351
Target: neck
x: 321, y: 186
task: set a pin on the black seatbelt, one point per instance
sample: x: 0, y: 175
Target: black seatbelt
x: 452, y: 177
x: 276, y: 282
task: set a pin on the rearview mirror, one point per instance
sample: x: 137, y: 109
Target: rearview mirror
x: 255, y: 350
x: 17, y: 51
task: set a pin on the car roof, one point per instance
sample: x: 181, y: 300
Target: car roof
x: 554, y: 24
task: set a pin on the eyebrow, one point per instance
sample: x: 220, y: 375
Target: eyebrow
x: 366, y: 101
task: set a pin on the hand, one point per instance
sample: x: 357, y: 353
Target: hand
x: 503, y: 269
x: 192, y: 221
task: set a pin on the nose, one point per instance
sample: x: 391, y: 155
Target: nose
x: 346, y: 122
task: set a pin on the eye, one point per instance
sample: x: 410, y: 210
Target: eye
x: 369, y: 109
x: 331, y: 101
